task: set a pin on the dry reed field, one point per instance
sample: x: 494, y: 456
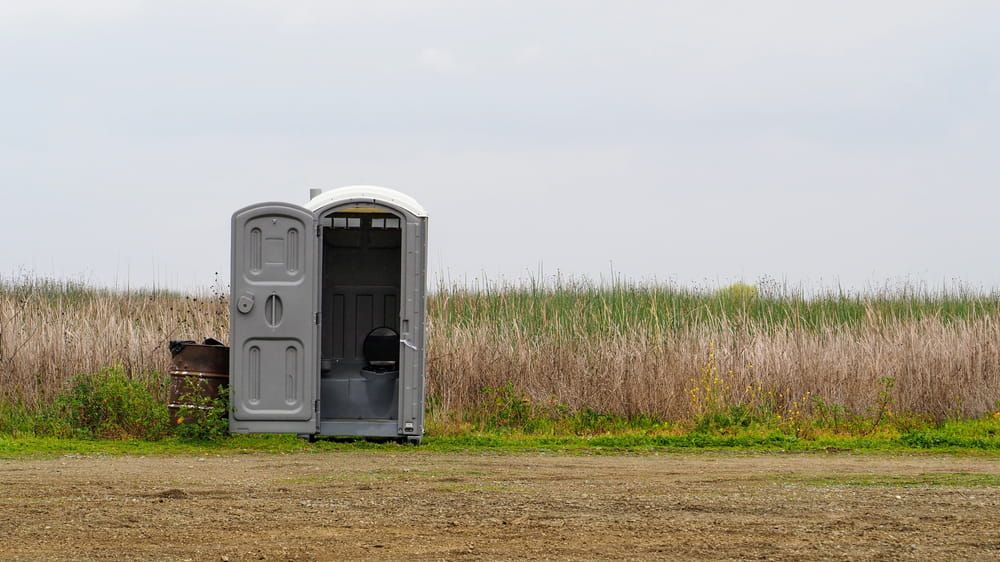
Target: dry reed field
x: 631, y: 350
x: 624, y: 350
x: 50, y: 332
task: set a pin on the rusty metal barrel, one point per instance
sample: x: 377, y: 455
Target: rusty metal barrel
x: 196, y: 373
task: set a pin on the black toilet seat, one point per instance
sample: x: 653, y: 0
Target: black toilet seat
x: 381, y: 349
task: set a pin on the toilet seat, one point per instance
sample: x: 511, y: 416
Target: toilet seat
x: 381, y: 349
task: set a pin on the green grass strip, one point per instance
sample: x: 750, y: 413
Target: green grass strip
x: 28, y: 446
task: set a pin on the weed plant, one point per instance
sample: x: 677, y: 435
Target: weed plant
x: 202, y: 417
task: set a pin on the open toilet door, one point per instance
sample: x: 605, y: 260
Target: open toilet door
x: 274, y: 332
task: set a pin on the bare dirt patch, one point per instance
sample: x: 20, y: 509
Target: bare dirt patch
x: 429, y: 505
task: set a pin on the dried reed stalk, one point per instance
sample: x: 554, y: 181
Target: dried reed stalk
x: 48, y: 335
x: 941, y: 366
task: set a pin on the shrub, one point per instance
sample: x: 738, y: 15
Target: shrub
x: 503, y: 407
x: 107, y: 404
x: 738, y: 292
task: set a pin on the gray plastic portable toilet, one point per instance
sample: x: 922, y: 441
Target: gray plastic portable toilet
x: 327, y: 315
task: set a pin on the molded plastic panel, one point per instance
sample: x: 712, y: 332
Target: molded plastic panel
x: 274, y: 366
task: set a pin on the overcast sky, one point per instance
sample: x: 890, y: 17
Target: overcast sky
x: 820, y: 143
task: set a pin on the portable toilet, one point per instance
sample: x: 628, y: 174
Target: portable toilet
x: 327, y: 316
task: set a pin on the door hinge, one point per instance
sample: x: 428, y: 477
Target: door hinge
x: 315, y: 318
x: 321, y: 224
x: 316, y: 406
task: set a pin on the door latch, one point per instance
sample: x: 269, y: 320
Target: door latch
x: 245, y: 303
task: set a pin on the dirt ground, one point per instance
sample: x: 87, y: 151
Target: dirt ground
x: 424, y: 505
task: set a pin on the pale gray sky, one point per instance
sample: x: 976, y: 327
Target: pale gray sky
x: 850, y: 142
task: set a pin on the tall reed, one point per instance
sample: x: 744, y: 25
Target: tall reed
x: 631, y: 349
x: 625, y: 349
x: 50, y: 331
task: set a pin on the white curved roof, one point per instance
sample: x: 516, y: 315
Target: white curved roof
x: 366, y: 193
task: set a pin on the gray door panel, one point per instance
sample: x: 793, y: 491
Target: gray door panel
x: 274, y: 333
